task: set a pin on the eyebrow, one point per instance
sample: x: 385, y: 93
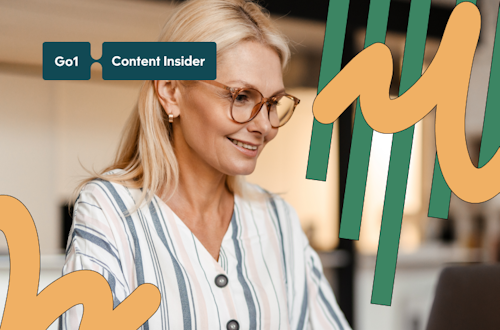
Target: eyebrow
x: 249, y: 85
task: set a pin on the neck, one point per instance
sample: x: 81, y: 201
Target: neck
x: 201, y: 192
x: 202, y: 200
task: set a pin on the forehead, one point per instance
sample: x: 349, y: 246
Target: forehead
x: 254, y: 63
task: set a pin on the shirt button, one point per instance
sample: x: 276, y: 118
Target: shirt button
x: 221, y: 281
x: 233, y: 325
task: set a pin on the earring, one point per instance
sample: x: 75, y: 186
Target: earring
x: 170, y: 118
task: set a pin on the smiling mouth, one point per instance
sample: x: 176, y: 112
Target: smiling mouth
x: 243, y: 145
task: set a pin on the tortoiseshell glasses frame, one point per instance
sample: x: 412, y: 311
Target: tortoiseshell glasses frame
x: 247, y: 103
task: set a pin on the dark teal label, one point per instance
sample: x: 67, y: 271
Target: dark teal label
x: 66, y: 60
x: 132, y: 61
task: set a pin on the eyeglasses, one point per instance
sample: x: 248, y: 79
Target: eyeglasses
x: 247, y: 102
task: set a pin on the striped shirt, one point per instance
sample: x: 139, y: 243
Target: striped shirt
x: 268, y: 276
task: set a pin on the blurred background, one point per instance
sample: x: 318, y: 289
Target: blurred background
x: 51, y: 130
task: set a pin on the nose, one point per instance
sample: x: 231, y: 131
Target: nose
x: 261, y: 122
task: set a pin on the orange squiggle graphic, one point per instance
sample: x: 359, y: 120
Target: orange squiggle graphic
x: 445, y: 84
x: 25, y: 309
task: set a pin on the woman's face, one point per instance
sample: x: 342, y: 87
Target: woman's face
x: 204, y: 133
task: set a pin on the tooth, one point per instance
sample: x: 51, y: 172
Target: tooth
x: 243, y: 145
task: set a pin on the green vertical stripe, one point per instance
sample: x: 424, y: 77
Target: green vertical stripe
x: 321, y: 136
x: 399, y: 164
x: 490, y: 141
x: 362, y: 135
x: 439, y: 202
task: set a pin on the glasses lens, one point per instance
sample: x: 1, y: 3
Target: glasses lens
x: 281, y: 111
x: 244, y: 104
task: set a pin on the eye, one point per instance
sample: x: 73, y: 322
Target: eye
x: 242, y: 97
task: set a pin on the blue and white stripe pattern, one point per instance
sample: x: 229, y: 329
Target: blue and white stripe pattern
x: 275, y: 279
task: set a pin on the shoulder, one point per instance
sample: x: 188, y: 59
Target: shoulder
x: 102, y: 198
x: 100, y: 210
x: 107, y: 191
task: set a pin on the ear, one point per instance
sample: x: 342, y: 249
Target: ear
x: 168, y: 95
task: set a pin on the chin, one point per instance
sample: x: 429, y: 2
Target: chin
x: 241, y: 169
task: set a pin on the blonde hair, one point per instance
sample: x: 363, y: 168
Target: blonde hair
x: 145, y: 153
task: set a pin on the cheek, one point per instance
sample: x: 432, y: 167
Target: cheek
x: 204, y: 125
x: 203, y: 112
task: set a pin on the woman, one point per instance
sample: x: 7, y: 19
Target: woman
x: 173, y: 211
